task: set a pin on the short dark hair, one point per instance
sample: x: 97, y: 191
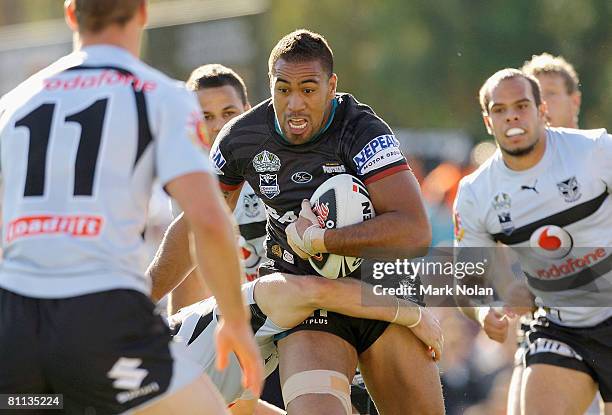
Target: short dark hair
x: 215, y: 75
x: 502, y: 75
x: 302, y: 46
x: 557, y: 65
x: 95, y: 15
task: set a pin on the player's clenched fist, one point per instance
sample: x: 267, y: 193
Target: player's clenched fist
x: 494, y: 323
x: 305, y: 236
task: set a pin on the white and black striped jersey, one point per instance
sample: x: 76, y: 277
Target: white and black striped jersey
x: 558, y: 217
x: 81, y: 143
x: 194, y: 328
x: 250, y: 213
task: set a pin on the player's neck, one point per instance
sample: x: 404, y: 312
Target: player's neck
x: 111, y: 36
x: 527, y: 161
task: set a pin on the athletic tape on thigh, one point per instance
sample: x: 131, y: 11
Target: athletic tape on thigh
x: 318, y: 381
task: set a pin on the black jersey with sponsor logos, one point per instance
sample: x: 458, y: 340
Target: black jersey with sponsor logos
x: 250, y: 147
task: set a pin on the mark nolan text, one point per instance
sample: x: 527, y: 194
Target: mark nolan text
x: 407, y: 290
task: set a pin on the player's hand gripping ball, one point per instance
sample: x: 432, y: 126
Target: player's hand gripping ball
x: 340, y: 201
x: 305, y: 236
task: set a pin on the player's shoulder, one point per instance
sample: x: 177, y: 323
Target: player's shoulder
x: 158, y: 83
x: 250, y: 127
x: 484, y: 171
x: 35, y: 83
x: 482, y: 177
x: 575, y: 138
x: 359, y: 115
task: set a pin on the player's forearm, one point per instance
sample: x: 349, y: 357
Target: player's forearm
x: 191, y: 290
x: 391, y: 234
x: 172, y: 261
x: 217, y: 257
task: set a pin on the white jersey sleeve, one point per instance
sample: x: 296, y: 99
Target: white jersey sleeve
x: 603, y: 157
x: 470, y: 230
x: 179, y: 146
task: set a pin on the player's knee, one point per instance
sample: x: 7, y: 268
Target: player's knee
x: 313, y: 290
x: 318, y: 382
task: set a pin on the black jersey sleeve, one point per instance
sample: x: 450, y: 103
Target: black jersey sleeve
x: 224, y: 162
x: 373, y: 151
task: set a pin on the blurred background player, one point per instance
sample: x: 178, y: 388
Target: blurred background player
x: 80, y: 142
x: 223, y: 96
x: 560, y: 88
x: 570, y: 345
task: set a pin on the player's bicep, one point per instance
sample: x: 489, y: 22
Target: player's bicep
x: 399, y: 192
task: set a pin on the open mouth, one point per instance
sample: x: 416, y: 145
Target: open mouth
x: 513, y: 132
x: 297, y: 125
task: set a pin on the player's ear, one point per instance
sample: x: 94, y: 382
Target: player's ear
x: 487, y: 122
x: 70, y: 15
x: 576, y: 101
x: 143, y: 13
x: 247, y: 106
x: 543, y: 110
x: 333, y: 83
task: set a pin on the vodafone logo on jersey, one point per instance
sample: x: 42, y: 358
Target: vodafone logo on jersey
x: 101, y: 79
x: 551, y: 242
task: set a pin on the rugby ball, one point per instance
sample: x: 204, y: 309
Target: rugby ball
x: 340, y: 201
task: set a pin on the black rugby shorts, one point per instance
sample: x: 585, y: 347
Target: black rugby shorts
x: 586, y: 349
x: 106, y: 352
x: 360, y: 333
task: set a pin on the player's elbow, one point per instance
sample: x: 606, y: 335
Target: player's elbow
x: 416, y: 243
x: 213, y: 223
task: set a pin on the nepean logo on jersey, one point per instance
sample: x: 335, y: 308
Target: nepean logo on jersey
x: 266, y: 162
x: 218, y: 161
x: 379, y: 152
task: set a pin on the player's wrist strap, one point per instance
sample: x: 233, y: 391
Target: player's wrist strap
x: 314, y: 240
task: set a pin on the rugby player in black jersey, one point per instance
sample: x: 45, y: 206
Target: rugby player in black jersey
x: 285, y: 148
